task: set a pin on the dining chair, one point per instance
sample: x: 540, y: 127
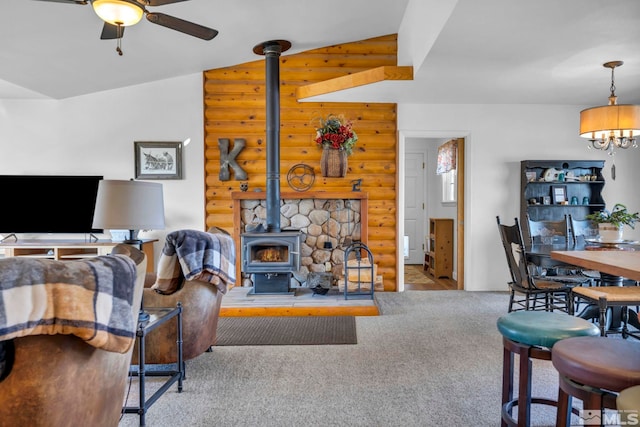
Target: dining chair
x: 527, y: 292
x: 548, y: 232
x: 557, y: 232
x: 580, y: 230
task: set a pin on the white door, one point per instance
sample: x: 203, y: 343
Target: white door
x: 414, y: 209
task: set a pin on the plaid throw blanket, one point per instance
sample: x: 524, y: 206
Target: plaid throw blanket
x: 196, y: 255
x: 91, y: 299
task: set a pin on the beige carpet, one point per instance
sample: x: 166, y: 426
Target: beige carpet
x: 415, y: 275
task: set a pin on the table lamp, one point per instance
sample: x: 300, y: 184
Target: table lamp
x: 130, y: 205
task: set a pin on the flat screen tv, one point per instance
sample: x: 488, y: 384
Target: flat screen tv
x: 48, y: 203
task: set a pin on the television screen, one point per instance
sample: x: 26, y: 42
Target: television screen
x: 48, y: 203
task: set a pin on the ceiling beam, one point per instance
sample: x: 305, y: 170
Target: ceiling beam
x: 374, y: 75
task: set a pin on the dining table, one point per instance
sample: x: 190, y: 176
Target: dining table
x: 618, y: 265
x: 615, y: 264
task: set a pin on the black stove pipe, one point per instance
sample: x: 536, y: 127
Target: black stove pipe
x: 271, y: 51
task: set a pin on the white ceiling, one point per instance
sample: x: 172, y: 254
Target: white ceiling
x: 489, y: 51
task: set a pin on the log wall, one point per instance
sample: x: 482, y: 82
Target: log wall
x: 234, y: 107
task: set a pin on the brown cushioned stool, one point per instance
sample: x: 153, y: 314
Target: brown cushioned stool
x: 595, y: 370
x: 531, y: 335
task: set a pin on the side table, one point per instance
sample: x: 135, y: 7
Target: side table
x: 158, y: 316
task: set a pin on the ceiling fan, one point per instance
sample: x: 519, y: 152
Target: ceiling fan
x: 118, y: 14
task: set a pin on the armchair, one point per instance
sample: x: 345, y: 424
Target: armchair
x: 200, y: 310
x: 56, y: 379
x: 195, y: 268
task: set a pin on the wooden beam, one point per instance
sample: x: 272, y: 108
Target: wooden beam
x: 371, y: 310
x: 374, y: 75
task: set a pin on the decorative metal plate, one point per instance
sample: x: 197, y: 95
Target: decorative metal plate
x: 301, y: 177
x: 611, y: 243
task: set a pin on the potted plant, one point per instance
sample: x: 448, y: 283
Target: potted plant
x: 610, y: 223
x: 337, y: 138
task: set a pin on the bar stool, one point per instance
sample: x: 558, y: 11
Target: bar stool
x: 531, y: 335
x: 595, y: 370
x: 628, y: 404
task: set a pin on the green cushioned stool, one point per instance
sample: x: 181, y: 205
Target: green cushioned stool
x: 531, y: 335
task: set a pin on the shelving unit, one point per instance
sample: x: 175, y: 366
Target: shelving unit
x: 440, y: 259
x: 68, y: 249
x: 582, y: 180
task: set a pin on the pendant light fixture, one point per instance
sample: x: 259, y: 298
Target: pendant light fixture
x: 611, y: 126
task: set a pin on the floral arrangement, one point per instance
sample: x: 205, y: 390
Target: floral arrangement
x: 337, y: 133
x: 618, y: 216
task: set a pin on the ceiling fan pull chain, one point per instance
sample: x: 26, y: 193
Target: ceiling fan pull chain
x: 119, y: 39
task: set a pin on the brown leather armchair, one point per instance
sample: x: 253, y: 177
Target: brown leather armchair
x: 60, y: 380
x: 200, y: 293
x: 200, y: 310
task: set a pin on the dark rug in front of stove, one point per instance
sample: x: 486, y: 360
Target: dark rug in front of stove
x: 286, y: 330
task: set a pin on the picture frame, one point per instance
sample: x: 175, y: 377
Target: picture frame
x: 158, y: 160
x: 531, y: 176
x: 559, y: 194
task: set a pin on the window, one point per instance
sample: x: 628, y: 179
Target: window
x: 449, y: 186
x: 446, y: 168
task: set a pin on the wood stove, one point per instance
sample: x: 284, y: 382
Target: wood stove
x: 268, y: 253
x: 271, y: 258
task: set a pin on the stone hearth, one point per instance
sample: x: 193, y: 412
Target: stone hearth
x: 328, y: 225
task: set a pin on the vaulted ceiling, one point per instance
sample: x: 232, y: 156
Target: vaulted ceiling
x: 489, y: 51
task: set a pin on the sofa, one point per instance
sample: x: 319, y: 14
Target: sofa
x: 70, y: 377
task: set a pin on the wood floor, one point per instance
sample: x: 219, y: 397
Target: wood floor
x: 435, y: 284
x: 240, y: 302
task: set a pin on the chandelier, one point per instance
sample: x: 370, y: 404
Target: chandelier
x: 611, y: 126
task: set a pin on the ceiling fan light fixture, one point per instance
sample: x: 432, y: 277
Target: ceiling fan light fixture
x: 118, y: 12
x: 611, y: 126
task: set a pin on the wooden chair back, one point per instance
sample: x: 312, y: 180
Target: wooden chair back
x: 548, y: 232
x: 582, y: 228
x: 513, y: 244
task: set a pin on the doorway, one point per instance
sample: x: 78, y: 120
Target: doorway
x: 416, y: 206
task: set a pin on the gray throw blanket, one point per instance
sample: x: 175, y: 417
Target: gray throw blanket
x: 196, y: 255
x: 91, y: 299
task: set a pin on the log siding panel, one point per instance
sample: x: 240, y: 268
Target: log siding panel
x: 234, y: 107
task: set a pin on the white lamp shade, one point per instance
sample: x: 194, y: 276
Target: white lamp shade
x: 129, y: 205
x: 118, y: 12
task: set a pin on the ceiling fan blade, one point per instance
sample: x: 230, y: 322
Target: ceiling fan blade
x: 110, y: 32
x: 183, y: 26
x: 68, y: 1
x: 162, y: 2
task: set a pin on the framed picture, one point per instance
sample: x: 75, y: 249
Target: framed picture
x: 158, y: 160
x: 558, y: 194
x: 531, y: 176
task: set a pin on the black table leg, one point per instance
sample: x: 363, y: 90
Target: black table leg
x: 614, y: 314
